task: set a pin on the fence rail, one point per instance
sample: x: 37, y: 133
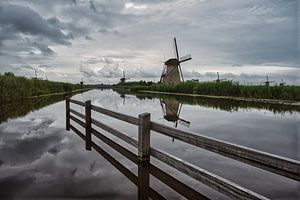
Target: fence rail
x: 283, y: 166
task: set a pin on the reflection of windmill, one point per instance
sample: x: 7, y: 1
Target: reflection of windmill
x: 123, y: 79
x: 282, y: 83
x: 218, y: 80
x: 171, y: 112
x: 267, y: 83
x: 172, y: 72
x: 123, y: 96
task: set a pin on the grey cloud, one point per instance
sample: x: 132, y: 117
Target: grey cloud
x: 92, y: 6
x: 27, y: 21
x: 88, y: 37
x: 11, y: 186
x: 44, y: 66
x: 108, y: 31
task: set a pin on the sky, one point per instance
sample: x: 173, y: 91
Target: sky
x: 95, y: 40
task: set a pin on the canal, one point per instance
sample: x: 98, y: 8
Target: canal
x: 39, y: 159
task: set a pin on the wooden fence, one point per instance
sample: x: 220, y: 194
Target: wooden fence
x: 283, y: 166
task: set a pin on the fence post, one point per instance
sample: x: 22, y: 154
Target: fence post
x: 143, y: 155
x: 67, y: 113
x: 88, y: 126
x: 144, y: 137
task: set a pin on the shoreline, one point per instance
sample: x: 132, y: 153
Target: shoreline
x: 271, y: 101
x: 57, y: 93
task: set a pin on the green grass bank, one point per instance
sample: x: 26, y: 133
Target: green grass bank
x: 15, y: 87
x: 224, y: 88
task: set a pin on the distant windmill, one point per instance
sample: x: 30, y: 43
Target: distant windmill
x: 267, y: 83
x: 218, y: 80
x: 282, y: 83
x: 172, y: 72
x: 81, y: 83
x: 123, y: 79
x: 171, y: 112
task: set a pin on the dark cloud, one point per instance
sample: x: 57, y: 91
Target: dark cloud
x: 88, y: 37
x: 27, y: 21
x: 11, y: 186
x: 108, y: 32
x: 92, y: 6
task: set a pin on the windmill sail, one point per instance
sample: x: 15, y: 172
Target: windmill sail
x: 185, y: 58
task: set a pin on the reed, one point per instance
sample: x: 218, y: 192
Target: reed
x: 227, y: 88
x: 15, y: 88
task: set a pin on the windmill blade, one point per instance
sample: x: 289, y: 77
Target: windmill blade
x: 162, y: 74
x: 176, y: 49
x: 185, y: 58
x: 181, y: 72
x: 184, y: 122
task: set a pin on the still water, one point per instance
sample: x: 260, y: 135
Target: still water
x: 39, y: 159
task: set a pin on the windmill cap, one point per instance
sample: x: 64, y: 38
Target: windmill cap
x: 172, y: 61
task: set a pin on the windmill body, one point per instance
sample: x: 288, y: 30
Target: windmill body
x: 123, y: 79
x: 267, y: 83
x: 172, y: 72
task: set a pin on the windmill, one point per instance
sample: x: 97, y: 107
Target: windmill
x: 123, y: 79
x: 171, y: 112
x: 218, y: 80
x: 267, y: 83
x: 172, y: 72
x: 282, y: 83
x: 81, y: 83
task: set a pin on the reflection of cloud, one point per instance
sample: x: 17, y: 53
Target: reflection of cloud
x: 12, y: 186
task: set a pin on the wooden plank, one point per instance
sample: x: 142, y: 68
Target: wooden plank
x: 176, y: 185
x: 78, y: 121
x: 77, y: 102
x: 88, y: 125
x: 144, y: 136
x: 67, y: 113
x: 214, y: 181
x: 123, y: 151
x: 283, y: 166
x: 77, y: 113
x: 120, y: 116
x: 116, y: 133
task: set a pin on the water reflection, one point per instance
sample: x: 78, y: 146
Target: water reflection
x: 40, y: 160
x: 10, y: 110
x: 142, y: 180
x: 171, y: 112
x: 229, y: 105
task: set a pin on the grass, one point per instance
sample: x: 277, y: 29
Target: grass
x: 15, y: 88
x: 224, y: 88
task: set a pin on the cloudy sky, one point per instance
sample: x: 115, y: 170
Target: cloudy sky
x: 95, y: 40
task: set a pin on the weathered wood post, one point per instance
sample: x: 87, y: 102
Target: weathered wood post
x: 67, y: 113
x: 144, y: 136
x: 88, y: 126
x: 143, y: 156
